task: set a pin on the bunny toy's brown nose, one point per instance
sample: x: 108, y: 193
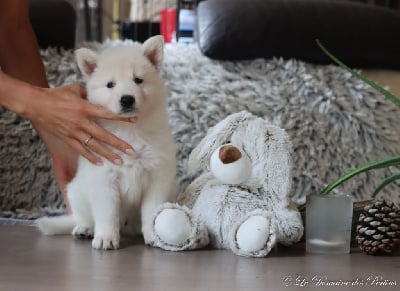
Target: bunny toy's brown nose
x: 229, y: 154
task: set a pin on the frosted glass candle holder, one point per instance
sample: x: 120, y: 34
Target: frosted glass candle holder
x: 328, y: 223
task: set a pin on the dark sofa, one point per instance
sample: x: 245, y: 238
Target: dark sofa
x: 361, y: 34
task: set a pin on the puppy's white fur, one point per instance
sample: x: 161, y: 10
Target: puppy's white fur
x: 109, y: 198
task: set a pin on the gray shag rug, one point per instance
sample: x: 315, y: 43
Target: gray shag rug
x: 335, y: 122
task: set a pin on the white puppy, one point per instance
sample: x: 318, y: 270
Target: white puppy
x: 106, y: 199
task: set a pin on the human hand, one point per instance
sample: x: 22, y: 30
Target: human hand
x: 63, y: 120
x: 63, y: 113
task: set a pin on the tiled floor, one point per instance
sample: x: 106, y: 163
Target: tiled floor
x: 32, y: 262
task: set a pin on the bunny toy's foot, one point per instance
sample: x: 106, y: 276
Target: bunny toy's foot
x: 175, y: 229
x: 254, y: 235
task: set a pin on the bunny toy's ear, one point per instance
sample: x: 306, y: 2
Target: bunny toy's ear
x: 275, y: 160
x: 216, y: 136
x: 87, y: 61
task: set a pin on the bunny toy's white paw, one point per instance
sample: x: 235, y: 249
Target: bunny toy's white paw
x: 179, y: 233
x: 175, y: 229
x: 255, y: 235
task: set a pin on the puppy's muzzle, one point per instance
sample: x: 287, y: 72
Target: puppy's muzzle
x: 127, y: 103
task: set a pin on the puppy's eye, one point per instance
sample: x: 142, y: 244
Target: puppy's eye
x: 138, y: 81
x: 110, y: 84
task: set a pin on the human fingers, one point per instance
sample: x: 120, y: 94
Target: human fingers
x: 83, y: 150
x: 93, y: 110
x: 99, y: 148
x: 103, y: 136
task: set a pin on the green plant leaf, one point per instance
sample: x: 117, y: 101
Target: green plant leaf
x: 386, y: 93
x: 393, y: 161
x: 384, y: 183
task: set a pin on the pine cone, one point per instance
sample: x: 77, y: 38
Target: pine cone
x: 378, y: 228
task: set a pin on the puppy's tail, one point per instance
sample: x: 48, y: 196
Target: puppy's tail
x: 56, y: 225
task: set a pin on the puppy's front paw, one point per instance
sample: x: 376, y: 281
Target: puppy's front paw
x: 147, y: 235
x: 105, y: 242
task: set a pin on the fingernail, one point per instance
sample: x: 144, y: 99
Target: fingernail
x: 118, y: 162
x: 130, y: 152
x: 100, y: 163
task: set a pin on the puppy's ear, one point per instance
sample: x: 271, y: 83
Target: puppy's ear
x: 87, y: 61
x: 154, y: 50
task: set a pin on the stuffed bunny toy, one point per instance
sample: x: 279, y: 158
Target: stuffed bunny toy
x: 241, y: 200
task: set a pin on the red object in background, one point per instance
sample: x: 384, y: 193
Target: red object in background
x: 168, y: 24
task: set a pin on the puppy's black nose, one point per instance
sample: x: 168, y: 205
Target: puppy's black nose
x: 127, y: 101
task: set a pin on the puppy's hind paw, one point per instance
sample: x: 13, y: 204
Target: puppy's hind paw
x: 105, y: 243
x: 82, y: 232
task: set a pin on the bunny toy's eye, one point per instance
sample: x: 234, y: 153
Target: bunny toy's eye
x: 138, y: 81
x: 110, y: 84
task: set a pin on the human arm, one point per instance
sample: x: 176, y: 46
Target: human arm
x: 60, y: 115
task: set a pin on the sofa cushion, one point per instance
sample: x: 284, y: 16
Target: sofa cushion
x: 360, y: 34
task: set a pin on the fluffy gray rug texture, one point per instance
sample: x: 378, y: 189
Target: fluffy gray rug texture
x: 335, y: 122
